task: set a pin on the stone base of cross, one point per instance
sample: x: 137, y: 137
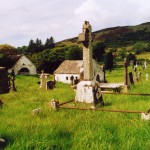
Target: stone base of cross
x: 89, y: 92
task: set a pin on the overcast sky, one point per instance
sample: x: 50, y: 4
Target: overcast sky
x: 23, y: 20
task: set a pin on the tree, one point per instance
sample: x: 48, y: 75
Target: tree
x: 31, y: 47
x: 22, y: 50
x: 38, y: 45
x: 98, y: 50
x: 7, y: 49
x: 47, y: 44
x: 74, y: 53
x: 139, y: 47
x: 147, y: 49
x: 131, y: 57
x: 49, y: 60
x: 50, y: 43
x: 122, y: 53
x: 108, y: 60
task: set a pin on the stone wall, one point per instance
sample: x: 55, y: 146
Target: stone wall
x: 65, y: 78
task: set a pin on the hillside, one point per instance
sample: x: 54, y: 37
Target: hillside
x: 121, y: 36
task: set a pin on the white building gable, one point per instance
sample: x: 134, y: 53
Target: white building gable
x: 23, y: 66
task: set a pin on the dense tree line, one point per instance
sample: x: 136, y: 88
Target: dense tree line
x: 37, y: 46
x: 48, y: 56
x: 49, y: 59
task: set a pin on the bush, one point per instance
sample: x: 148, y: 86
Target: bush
x: 139, y: 47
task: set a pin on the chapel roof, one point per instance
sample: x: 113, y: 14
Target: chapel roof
x: 69, y: 67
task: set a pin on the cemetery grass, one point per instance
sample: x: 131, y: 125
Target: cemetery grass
x: 73, y: 129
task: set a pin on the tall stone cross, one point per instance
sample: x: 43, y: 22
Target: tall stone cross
x: 88, y: 90
x: 86, y: 38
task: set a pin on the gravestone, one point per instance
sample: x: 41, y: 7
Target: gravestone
x: 12, y: 79
x: 4, y: 87
x: 139, y: 75
x: 87, y: 88
x: 76, y: 81
x: 43, y: 80
x: 50, y: 85
x: 125, y: 72
x: 54, y: 104
x: 126, y: 83
x: 131, y: 78
x: 145, y: 64
x: 2, y: 143
x: 72, y: 80
x: 146, y: 76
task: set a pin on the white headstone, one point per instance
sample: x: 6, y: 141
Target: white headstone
x: 146, y: 76
x: 43, y: 80
x: 145, y: 116
x: 145, y: 64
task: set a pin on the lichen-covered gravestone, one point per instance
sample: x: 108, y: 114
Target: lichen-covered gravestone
x: 4, y: 88
x: 43, y: 80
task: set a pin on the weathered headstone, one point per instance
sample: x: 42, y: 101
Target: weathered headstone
x: 50, y: 85
x: 42, y: 80
x: 12, y: 78
x: 36, y: 111
x: 76, y: 81
x: 139, y: 75
x: 87, y: 88
x: 131, y: 78
x: 126, y: 85
x: 145, y: 116
x: 2, y: 143
x: 72, y: 79
x: 125, y: 72
x: 4, y: 87
x: 103, y: 69
x: 145, y: 64
x: 54, y: 104
x: 146, y: 76
x: 134, y: 69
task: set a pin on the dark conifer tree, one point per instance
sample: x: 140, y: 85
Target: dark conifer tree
x: 50, y: 43
x: 108, y: 61
x: 31, y: 47
x: 39, y: 46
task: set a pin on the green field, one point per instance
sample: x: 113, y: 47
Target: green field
x: 145, y: 55
x: 73, y: 129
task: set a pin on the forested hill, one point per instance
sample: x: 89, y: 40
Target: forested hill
x: 118, y: 36
x: 116, y: 41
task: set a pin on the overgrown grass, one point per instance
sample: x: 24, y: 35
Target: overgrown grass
x: 145, y: 55
x: 73, y: 129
